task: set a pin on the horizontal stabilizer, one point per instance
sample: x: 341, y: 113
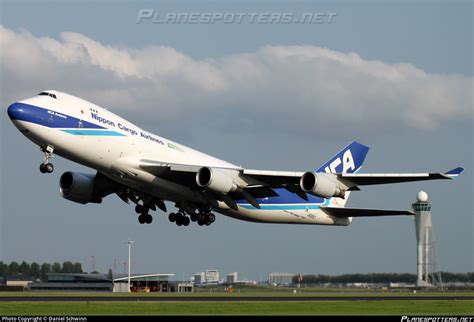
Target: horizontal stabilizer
x: 360, y: 212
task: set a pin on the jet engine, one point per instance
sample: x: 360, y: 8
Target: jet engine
x: 78, y: 187
x: 215, y: 180
x: 320, y: 185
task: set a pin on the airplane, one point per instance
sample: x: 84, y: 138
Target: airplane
x: 145, y: 169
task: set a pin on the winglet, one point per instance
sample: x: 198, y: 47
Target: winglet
x: 455, y: 172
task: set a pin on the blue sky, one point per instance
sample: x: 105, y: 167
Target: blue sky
x: 291, y: 118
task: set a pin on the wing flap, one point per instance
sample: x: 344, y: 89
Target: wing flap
x: 360, y: 212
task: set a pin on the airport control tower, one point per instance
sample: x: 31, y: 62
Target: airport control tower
x: 428, y: 274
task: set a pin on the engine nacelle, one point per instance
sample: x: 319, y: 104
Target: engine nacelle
x: 78, y: 187
x: 320, y: 185
x: 215, y: 180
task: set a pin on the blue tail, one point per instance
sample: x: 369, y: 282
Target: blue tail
x: 348, y: 160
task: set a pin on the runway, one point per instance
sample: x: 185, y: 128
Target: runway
x: 225, y: 298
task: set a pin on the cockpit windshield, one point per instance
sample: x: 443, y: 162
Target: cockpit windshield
x: 48, y: 94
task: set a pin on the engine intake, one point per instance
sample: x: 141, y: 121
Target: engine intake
x: 215, y: 180
x: 320, y: 185
x: 78, y: 187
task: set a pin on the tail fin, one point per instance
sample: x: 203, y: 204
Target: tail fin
x: 348, y: 160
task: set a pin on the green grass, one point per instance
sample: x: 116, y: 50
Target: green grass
x: 240, y: 308
x: 316, y: 292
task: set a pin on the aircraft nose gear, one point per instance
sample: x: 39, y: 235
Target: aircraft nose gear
x: 46, y: 166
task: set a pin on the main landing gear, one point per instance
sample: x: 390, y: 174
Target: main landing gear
x: 144, y: 217
x: 187, y: 212
x: 46, y: 166
x: 203, y: 217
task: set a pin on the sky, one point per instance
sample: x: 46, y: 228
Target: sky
x: 395, y: 76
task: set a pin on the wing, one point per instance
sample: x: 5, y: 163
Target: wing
x: 361, y: 179
x: 360, y: 212
x: 253, y: 184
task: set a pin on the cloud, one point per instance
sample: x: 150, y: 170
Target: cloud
x: 299, y: 89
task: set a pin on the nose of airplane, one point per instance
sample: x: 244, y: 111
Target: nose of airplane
x: 16, y: 111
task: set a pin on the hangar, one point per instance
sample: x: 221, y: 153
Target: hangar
x: 158, y: 282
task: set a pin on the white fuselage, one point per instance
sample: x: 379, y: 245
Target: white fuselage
x: 116, y: 145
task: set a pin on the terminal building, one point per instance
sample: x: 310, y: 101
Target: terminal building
x: 210, y: 276
x: 111, y: 283
x: 231, y: 278
x: 280, y: 278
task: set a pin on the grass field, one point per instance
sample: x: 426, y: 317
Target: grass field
x: 135, y: 307
x: 240, y: 308
x: 246, y: 291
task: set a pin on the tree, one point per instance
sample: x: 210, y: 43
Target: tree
x: 56, y: 268
x: 13, y: 268
x: 110, y: 274
x: 68, y: 267
x: 3, y: 269
x: 77, y: 268
x: 45, y: 269
x: 35, y: 271
x: 24, y: 268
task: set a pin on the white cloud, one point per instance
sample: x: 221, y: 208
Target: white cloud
x: 303, y: 89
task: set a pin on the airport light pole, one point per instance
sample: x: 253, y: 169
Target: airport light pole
x: 129, y: 242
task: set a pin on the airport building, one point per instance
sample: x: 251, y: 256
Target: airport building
x: 280, y: 278
x: 231, y: 278
x: 107, y: 283
x: 199, y: 278
x: 212, y: 276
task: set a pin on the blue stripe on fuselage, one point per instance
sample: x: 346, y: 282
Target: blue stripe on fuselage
x: 48, y: 118
x: 93, y: 132
x: 287, y: 206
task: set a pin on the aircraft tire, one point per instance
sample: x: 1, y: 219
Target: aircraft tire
x: 186, y: 221
x: 172, y: 217
x: 49, y: 167
x: 210, y: 217
x: 148, y: 219
x: 138, y: 209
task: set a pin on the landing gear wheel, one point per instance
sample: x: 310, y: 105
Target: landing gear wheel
x: 201, y: 217
x: 194, y: 217
x: 207, y: 207
x: 186, y: 221
x: 49, y: 167
x: 138, y: 209
x: 142, y: 219
x: 179, y: 221
x: 201, y: 223
x: 148, y: 219
x: 210, y: 217
x: 208, y: 223
x: 172, y: 217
